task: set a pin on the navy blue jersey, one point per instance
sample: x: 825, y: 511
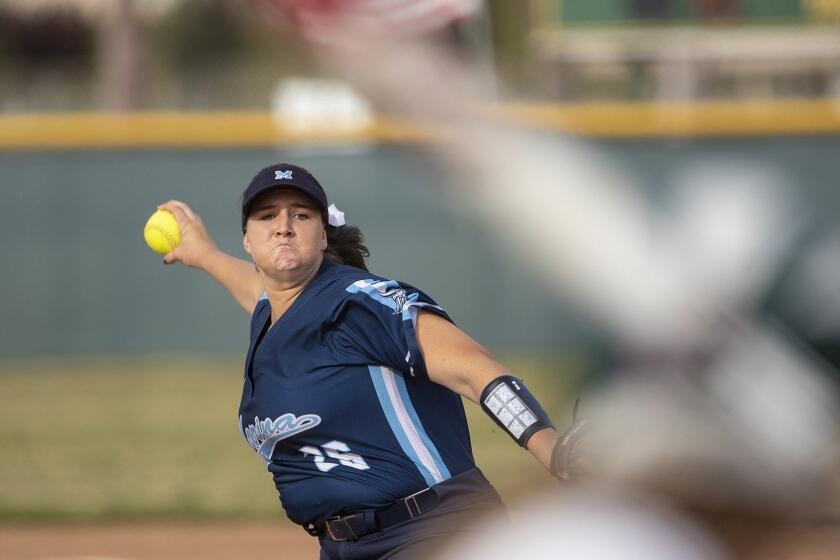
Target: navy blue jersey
x: 338, y: 402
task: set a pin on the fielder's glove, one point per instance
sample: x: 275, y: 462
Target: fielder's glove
x: 566, y: 460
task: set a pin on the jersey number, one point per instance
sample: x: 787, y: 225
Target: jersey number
x: 335, y: 450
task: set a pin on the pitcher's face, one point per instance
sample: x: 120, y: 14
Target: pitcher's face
x: 285, y: 232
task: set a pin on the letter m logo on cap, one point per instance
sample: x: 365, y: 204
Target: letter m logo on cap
x: 283, y: 174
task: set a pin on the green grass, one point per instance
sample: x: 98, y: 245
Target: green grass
x: 136, y: 438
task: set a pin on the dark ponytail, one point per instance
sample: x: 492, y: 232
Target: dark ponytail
x: 345, y: 245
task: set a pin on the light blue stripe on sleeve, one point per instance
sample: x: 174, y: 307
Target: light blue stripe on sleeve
x: 366, y: 286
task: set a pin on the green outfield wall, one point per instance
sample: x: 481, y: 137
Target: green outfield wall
x: 571, y: 12
x: 77, y: 278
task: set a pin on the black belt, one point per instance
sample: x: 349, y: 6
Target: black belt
x: 351, y: 527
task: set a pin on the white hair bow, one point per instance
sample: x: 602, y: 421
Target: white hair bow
x: 336, y: 216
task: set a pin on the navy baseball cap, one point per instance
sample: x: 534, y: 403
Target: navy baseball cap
x: 283, y: 176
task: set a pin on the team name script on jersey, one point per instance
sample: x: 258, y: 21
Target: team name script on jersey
x: 264, y: 434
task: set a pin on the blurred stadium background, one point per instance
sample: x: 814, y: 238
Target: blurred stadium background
x: 119, y: 377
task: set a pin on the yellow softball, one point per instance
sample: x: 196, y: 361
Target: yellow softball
x: 161, y: 232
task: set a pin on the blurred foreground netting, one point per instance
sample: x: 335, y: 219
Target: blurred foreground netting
x: 143, y: 438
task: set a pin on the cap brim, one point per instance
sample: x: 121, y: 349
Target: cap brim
x: 285, y: 185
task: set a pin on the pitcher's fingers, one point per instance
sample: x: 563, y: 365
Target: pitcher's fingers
x: 175, y: 206
x: 181, y: 217
x: 169, y: 258
x: 171, y: 206
x: 186, y: 209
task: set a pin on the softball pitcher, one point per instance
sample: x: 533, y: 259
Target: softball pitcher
x: 352, y: 381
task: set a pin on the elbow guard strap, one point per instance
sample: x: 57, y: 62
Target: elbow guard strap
x: 512, y: 406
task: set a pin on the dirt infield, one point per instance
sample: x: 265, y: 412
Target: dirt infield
x: 234, y: 541
x: 158, y: 541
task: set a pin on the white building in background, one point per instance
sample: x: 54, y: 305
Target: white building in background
x: 305, y: 105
